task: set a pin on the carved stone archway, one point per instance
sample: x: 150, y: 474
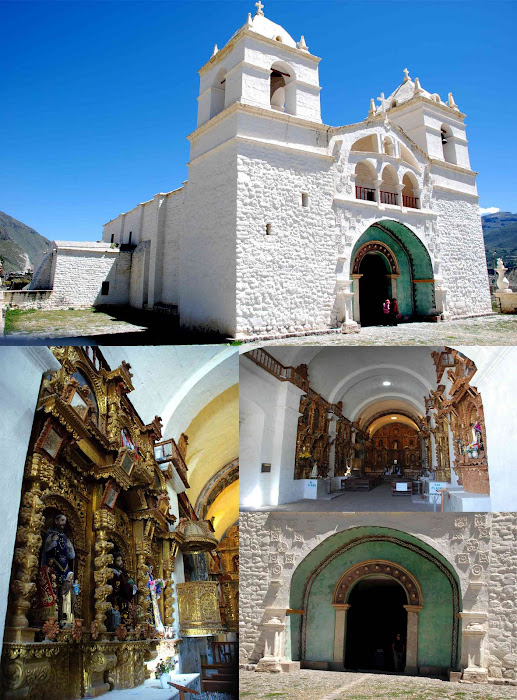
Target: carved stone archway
x: 372, y: 568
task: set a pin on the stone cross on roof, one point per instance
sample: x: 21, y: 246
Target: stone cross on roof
x: 406, y: 75
x: 382, y: 99
x: 259, y: 7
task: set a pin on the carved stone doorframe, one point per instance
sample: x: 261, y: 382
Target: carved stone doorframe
x: 369, y: 569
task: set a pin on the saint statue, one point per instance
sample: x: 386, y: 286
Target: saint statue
x: 58, y: 550
x: 124, y: 589
x: 68, y: 592
x: 55, y: 582
x: 155, y: 586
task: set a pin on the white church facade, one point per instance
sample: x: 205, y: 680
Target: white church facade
x: 288, y: 225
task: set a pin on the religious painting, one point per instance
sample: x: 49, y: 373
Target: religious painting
x: 109, y: 497
x: 79, y: 404
x: 50, y: 441
x: 126, y: 440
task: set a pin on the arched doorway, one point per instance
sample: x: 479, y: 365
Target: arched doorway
x: 376, y: 615
x: 374, y: 288
x: 390, y: 260
x: 323, y: 584
x: 374, y: 601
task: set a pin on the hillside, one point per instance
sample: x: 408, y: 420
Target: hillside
x: 20, y: 246
x: 500, y: 234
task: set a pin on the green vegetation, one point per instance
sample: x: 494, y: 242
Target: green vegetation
x: 56, y: 324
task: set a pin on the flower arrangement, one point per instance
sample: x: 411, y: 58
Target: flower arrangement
x: 165, y: 666
x: 473, y: 449
x: 156, y: 586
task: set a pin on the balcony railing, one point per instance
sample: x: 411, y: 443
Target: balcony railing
x: 389, y: 197
x: 409, y: 201
x: 366, y: 193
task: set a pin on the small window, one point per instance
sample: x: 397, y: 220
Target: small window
x: 105, y: 288
x: 112, y: 238
x: 268, y: 229
x: 130, y: 237
x: 305, y: 199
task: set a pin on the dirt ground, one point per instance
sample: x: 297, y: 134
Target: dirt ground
x: 328, y: 685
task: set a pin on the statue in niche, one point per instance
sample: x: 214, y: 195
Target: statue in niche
x: 155, y: 586
x: 68, y: 601
x: 123, y: 591
x: 56, y: 573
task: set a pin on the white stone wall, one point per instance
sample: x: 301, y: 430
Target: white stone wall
x: 78, y: 276
x: 462, y: 253
x: 254, y: 540
x: 42, y: 278
x: 479, y: 547
x: 502, y: 638
x: 139, y: 279
x: 285, y: 280
x: 207, y: 259
x: 173, y: 234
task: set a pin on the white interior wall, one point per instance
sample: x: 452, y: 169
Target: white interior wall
x: 20, y: 380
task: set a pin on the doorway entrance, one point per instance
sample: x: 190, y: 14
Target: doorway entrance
x: 389, y: 259
x: 374, y: 288
x: 376, y: 615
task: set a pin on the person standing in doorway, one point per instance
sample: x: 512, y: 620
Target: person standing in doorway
x: 394, y: 312
x: 386, y: 313
x: 398, y: 647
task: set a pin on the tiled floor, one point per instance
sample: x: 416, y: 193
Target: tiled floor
x: 379, y: 499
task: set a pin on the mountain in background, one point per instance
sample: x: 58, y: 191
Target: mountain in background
x: 21, y: 247
x: 500, y: 234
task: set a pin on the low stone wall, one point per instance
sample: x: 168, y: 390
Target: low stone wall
x: 30, y: 299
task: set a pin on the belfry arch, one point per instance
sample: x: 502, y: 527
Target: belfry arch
x: 390, y: 261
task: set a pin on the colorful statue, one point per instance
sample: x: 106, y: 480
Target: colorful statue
x: 124, y: 589
x: 155, y: 587
x: 67, y: 603
x: 58, y: 550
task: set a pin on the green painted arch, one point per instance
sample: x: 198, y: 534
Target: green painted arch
x: 414, y: 262
x: 310, y: 636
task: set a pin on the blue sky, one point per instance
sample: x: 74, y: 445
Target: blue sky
x: 98, y: 97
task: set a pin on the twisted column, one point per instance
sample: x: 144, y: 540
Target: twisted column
x: 28, y: 545
x: 102, y: 520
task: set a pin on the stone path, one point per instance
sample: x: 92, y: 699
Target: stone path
x: 329, y: 685
x: 378, y: 499
x: 489, y: 330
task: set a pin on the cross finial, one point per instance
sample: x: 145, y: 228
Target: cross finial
x: 406, y: 75
x: 259, y: 7
x: 383, y: 102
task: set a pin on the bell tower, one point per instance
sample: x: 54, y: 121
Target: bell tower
x: 262, y: 66
x: 437, y: 127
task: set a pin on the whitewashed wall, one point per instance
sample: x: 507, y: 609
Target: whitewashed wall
x: 20, y: 382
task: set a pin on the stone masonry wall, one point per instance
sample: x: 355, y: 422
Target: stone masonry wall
x: 78, y: 277
x: 460, y: 239
x: 502, y: 635
x: 254, y: 539
x: 285, y: 280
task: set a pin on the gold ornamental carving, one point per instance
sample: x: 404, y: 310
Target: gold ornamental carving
x: 199, y: 613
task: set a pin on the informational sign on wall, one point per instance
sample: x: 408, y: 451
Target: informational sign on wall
x: 401, y: 487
